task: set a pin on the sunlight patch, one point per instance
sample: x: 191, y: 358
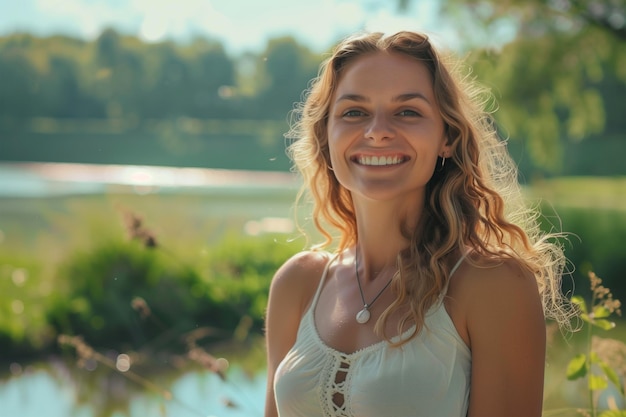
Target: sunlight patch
x: 269, y: 225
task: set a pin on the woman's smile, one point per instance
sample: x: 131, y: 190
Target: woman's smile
x: 380, y: 160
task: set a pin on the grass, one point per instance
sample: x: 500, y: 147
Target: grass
x: 582, y: 192
x: 47, y: 226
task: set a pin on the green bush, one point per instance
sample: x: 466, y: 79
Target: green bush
x: 124, y: 295
x: 240, y: 269
x: 101, y: 286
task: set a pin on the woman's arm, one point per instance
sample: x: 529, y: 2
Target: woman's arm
x: 291, y: 291
x: 506, y: 328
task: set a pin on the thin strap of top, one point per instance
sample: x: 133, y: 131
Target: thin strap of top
x: 458, y: 264
x: 453, y: 270
x: 323, y: 278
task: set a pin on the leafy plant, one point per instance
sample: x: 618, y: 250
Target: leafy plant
x: 591, y: 365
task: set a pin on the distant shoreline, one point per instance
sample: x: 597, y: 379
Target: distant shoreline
x: 52, y: 178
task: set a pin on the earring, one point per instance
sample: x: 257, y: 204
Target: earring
x: 443, y: 161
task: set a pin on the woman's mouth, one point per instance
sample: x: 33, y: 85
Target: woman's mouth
x: 380, y: 160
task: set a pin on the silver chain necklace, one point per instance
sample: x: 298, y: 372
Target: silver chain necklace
x: 363, y: 316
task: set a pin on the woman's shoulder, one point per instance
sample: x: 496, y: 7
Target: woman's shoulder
x: 302, y: 265
x: 299, y: 276
x: 496, y: 272
x: 496, y: 292
x: 481, y: 277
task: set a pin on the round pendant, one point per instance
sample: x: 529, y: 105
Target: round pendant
x: 363, y: 316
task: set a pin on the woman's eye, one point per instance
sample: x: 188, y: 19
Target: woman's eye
x: 353, y: 113
x: 410, y: 113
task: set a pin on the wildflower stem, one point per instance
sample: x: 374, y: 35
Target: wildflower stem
x: 591, y: 402
x: 589, y: 347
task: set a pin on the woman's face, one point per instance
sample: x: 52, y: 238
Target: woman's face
x: 385, y: 130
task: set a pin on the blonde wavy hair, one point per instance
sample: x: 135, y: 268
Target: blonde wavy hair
x: 473, y: 203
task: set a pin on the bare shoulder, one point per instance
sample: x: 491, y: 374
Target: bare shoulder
x: 291, y: 291
x: 304, y: 261
x: 486, y: 295
x: 298, y: 277
x: 482, y: 282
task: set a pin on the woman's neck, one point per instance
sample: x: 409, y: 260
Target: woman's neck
x: 380, y: 238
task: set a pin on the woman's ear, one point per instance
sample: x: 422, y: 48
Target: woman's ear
x: 446, y: 151
x: 447, y: 147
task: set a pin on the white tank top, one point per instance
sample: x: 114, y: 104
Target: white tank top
x: 427, y: 377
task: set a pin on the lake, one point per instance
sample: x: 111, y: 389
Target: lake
x: 54, y: 390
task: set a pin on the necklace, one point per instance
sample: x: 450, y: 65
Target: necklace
x: 363, y: 316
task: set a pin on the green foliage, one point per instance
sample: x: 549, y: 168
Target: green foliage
x: 595, y: 242
x: 136, y: 294
x: 559, y: 79
x: 239, y: 271
x: 592, y: 212
x: 119, y: 77
x: 559, y: 106
x: 100, y: 284
x: 613, y: 413
x: 24, y: 302
x: 590, y: 365
x: 286, y: 68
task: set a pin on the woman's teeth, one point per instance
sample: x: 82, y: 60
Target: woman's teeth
x: 380, y: 160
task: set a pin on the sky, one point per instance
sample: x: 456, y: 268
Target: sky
x: 241, y: 25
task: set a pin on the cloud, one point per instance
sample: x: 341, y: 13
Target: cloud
x: 87, y: 18
x: 319, y: 23
x: 239, y: 24
x: 151, y: 20
x: 179, y: 19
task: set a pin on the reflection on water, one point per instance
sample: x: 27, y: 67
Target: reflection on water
x: 55, y: 391
x: 43, y: 179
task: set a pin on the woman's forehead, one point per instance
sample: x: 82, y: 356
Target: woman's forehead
x: 384, y: 73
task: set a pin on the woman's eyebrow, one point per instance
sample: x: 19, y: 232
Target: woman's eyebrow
x: 399, y: 98
x: 411, y: 96
x: 352, y: 97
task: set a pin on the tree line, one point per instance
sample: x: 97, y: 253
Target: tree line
x: 119, y: 76
x: 561, y: 79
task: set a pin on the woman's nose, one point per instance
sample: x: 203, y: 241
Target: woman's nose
x: 379, y: 128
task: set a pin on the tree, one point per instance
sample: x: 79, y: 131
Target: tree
x: 285, y: 69
x: 550, y: 81
x: 60, y: 90
x: 118, y: 74
x: 212, y: 79
x: 20, y: 84
x: 167, y: 91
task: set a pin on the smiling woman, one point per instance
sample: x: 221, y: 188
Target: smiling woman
x: 412, y: 314
x: 369, y: 104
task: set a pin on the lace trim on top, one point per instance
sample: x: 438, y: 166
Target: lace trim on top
x: 336, y: 393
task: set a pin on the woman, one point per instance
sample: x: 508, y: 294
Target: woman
x: 433, y: 302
